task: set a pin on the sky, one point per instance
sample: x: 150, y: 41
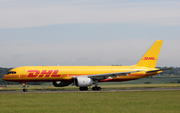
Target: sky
x: 87, y: 32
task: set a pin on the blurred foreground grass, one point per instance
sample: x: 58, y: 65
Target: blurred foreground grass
x: 91, y: 102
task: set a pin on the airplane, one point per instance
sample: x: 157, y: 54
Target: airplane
x: 84, y: 76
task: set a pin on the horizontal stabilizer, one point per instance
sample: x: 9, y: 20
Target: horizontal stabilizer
x: 163, y: 69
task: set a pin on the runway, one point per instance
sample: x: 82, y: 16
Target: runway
x: 103, y: 90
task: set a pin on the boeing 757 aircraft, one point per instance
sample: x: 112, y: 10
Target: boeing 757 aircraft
x: 84, y: 76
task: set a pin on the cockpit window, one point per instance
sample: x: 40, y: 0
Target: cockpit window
x: 11, y: 72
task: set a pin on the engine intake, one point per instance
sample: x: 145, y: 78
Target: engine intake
x: 83, y: 81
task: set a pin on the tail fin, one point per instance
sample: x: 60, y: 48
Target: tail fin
x: 151, y: 56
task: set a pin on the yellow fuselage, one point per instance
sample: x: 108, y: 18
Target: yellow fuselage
x: 65, y: 73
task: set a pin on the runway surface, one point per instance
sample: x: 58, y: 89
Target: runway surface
x: 103, y: 90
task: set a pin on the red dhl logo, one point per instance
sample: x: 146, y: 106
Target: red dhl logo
x: 149, y: 58
x: 44, y: 73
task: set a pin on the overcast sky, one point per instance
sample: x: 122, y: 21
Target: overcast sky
x: 87, y: 32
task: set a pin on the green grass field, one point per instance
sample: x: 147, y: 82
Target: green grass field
x: 91, y: 102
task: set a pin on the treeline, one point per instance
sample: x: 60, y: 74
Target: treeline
x: 3, y: 71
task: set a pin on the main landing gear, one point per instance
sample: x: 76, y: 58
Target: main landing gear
x: 24, y: 87
x: 83, y: 88
x: 96, y: 88
x: 93, y: 88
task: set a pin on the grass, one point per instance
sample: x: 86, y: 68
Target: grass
x: 103, y: 86
x: 92, y: 102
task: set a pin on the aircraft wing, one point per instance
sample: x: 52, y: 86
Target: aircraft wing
x: 163, y: 69
x: 105, y: 76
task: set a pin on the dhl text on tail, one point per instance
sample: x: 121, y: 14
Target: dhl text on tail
x: 84, y: 76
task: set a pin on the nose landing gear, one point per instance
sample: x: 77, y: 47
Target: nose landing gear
x: 24, y: 86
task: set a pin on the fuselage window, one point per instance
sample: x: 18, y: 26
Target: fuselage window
x: 11, y: 72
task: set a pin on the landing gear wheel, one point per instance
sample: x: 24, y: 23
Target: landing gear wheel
x: 99, y: 88
x: 24, y: 90
x: 83, y: 88
x: 96, y: 88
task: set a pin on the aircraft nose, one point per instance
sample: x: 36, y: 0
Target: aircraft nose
x: 5, y: 77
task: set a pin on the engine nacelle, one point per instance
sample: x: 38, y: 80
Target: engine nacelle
x: 60, y: 83
x: 83, y: 81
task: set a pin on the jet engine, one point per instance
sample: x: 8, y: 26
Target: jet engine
x: 83, y: 81
x: 60, y: 83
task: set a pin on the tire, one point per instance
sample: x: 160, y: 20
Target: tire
x: 83, y: 88
x: 24, y: 90
x: 99, y: 88
x: 96, y: 88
